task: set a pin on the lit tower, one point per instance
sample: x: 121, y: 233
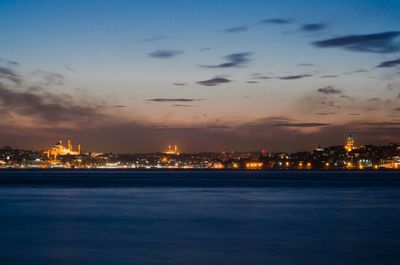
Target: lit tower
x: 349, y: 146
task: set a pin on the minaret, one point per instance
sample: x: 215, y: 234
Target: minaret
x: 176, y: 149
x: 79, y: 149
x: 69, y: 145
x: 349, y: 143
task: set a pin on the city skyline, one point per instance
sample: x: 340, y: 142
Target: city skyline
x: 135, y: 76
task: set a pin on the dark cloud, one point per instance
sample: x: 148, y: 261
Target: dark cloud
x: 10, y: 75
x: 204, y: 49
x: 184, y: 105
x: 252, y: 82
x: 47, y: 107
x: 260, y: 76
x: 236, y: 29
x: 390, y: 63
x: 358, y: 71
x: 325, y: 113
x: 120, y: 106
x: 293, y: 77
x: 154, y: 38
x: 376, y: 43
x: 165, y: 54
x: 302, y: 124
x: 277, y: 21
x: 214, y: 81
x: 233, y: 60
x: 397, y: 109
x: 354, y: 114
x: 329, y: 76
x: 174, y: 99
x: 179, y: 84
x: 329, y: 90
x: 313, y: 27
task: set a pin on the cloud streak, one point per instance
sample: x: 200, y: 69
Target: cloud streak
x: 165, y: 54
x: 161, y: 100
x: 233, y: 60
x: 384, y: 42
x: 277, y: 21
x: 214, y: 81
x: 294, y: 77
x: 10, y: 75
x: 392, y: 63
x: 312, y: 27
x: 236, y: 29
x: 329, y: 90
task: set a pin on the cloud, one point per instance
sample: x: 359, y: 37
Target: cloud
x: 293, y: 77
x: 233, y: 60
x: 179, y: 84
x: 47, y: 107
x: 313, y: 27
x: 325, y: 113
x: 236, y: 29
x: 260, y: 76
x: 329, y: 76
x: 120, y: 106
x: 165, y: 54
x: 174, y: 99
x: 214, y: 81
x: 252, y: 82
x: 10, y: 75
x: 329, y: 90
x: 302, y: 124
x: 375, y: 43
x: 389, y: 63
x: 358, y: 71
x: 184, y: 105
x: 277, y: 21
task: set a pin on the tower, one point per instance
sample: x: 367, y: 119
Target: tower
x: 69, y: 145
x: 349, y: 146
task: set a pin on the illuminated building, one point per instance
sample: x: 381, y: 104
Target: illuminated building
x: 349, y: 146
x: 171, y: 151
x: 60, y: 150
x: 254, y: 165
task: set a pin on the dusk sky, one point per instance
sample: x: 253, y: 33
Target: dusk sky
x: 134, y: 76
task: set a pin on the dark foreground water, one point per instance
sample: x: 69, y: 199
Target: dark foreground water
x: 150, y: 217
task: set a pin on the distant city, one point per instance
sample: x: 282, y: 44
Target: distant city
x: 343, y: 157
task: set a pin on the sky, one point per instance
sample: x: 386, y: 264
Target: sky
x: 227, y: 75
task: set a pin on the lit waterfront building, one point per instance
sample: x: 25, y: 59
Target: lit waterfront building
x: 60, y: 150
x: 349, y: 146
x: 171, y: 151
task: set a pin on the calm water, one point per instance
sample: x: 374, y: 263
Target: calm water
x: 199, y: 218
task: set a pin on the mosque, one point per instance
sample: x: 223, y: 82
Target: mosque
x: 171, y: 151
x: 349, y: 146
x: 60, y: 150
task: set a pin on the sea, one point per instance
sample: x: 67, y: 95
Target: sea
x: 199, y: 217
